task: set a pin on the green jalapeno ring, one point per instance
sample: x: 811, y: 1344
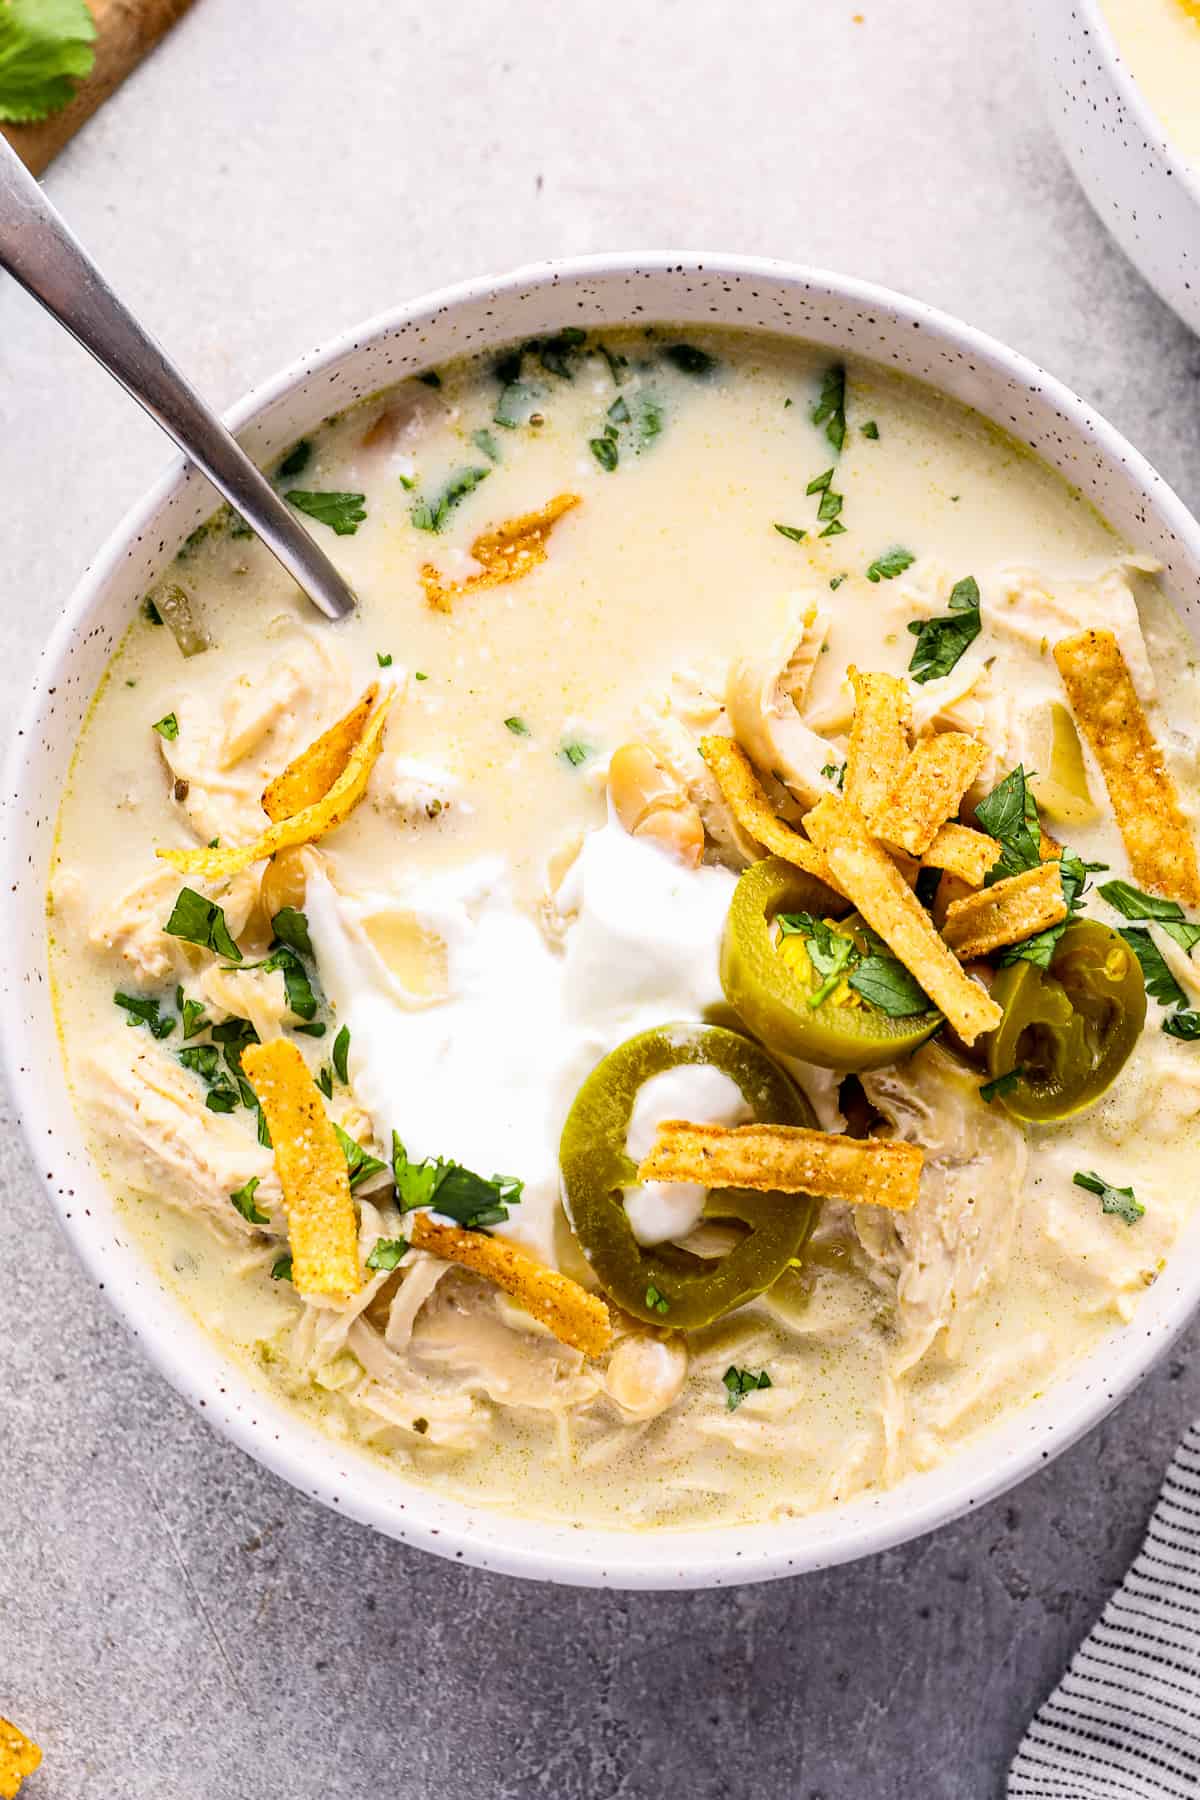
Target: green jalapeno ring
x: 1069, y: 1029
x: 596, y: 1169
x: 772, y: 999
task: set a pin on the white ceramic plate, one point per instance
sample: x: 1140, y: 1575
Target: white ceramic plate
x: 1142, y: 188
x: 826, y: 309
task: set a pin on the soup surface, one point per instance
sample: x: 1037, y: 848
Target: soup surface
x: 578, y: 562
x: 1160, y: 41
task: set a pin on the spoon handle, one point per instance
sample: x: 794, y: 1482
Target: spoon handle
x: 43, y: 254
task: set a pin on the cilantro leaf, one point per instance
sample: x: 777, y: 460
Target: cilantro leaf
x: 243, y: 1200
x: 1132, y: 903
x: 1183, y: 1025
x: 415, y: 1182
x: 483, y: 440
x: 195, y: 1019
x: 870, y: 429
x: 297, y: 458
x: 1161, y: 985
x: 941, y: 641
x: 893, y: 562
x: 830, y: 410
x: 386, y: 1253
x: 144, y: 1012
x: 655, y: 1301
x: 794, y: 532
x: 342, y: 512
x: 300, y: 997
x: 431, y: 515
x: 452, y: 1190
x: 887, y: 984
x: 341, y: 1055
x: 200, y: 921
x: 291, y: 928
x: 1010, y: 815
x: 45, y: 47
x: 281, y: 1269
x: 835, y: 772
x: 575, y: 753
x: 517, y: 401
x: 359, y: 1162
x: 740, y: 1382
x: 830, y: 952
x: 167, y: 727
x: 605, y: 452
x: 204, y: 1060
x: 1120, y: 1201
x: 517, y: 726
x: 1001, y: 1084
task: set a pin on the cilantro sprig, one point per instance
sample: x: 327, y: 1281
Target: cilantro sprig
x: 342, y: 512
x: 877, y: 975
x: 1161, y: 984
x: 740, y: 1382
x: 941, y: 641
x: 1122, y: 1202
x: 455, y: 1192
x: 830, y: 410
x: 200, y: 921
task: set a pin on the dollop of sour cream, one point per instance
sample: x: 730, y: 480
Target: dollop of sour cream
x: 662, y: 1210
x: 484, y: 1070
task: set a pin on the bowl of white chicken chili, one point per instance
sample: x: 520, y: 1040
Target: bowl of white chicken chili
x: 663, y: 1051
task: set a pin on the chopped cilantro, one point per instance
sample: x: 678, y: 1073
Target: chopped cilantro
x: 1183, y: 1025
x: 195, y: 1019
x: 300, y: 997
x: 431, y: 515
x: 820, y: 483
x: 281, y: 1268
x: 893, y: 562
x: 941, y: 641
x: 689, y: 360
x: 144, y: 1012
x: 835, y: 772
x: 243, y: 1200
x: 200, y: 921
x: 342, y: 512
x: 384, y: 658
x: 575, y: 753
x: 204, y: 1060
x: 794, y: 532
x: 830, y: 410
x: 886, y: 983
x: 605, y: 452
x: 325, y: 1080
x: 619, y: 411
x: 835, y: 581
x: 1134, y: 904
x: 870, y: 429
x: 359, y: 1162
x: 655, y: 1301
x: 516, y: 404
x: 1000, y: 1084
x: 420, y: 675
x: 452, y: 1190
x: 830, y: 507
x: 835, y: 528
x: 740, y: 1382
x: 151, y: 612
x: 517, y: 726
x: 341, y: 1055
x: 483, y: 440
x: 386, y: 1253
x: 297, y: 458
x: 1161, y: 985
x: 291, y: 927
x: 167, y: 727
x: 45, y: 47
x: 1010, y: 815
x: 1122, y: 1202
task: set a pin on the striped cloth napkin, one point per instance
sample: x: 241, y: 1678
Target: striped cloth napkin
x: 1124, y: 1721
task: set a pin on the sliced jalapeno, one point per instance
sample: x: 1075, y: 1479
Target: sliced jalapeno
x: 1067, y: 1030
x: 776, y: 993
x: 666, y: 1285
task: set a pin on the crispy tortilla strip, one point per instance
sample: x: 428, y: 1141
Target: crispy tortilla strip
x: 743, y: 794
x: 573, y: 1315
x: 303, y: 827
x: 935, y: 775
x: 309, y: 777
x: 1107, y: 710
x: 1012, y: 910
x: 949, y: 889
x: 322, y: 1228
x: 961, y: 851
x: 789, y: 1159
x: 19, y: 1757
x: 506, y: 552
x: 878, y: 739
x: 866, y: 873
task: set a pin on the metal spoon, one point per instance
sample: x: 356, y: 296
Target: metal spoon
x: 40, y: 250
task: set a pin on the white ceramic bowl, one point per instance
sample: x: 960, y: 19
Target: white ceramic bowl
x: 841, y: 314
x: 1142, y: 187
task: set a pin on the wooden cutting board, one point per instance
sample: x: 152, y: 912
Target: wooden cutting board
x: 126, y: 31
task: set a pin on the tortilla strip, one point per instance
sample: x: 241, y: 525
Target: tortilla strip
x: 928, y: 790
x: 961, y: 851
x: 574, y: 1316
x: 322, y: 1227
x: 743, y: 794
x: 1007, y: 913
x: 950, y: 888
x: 878, y: 739
x: 303, y: 827
x: 507, y: 552
x: 19, y: 1757
x: 867, y: 874
x: 309, y: 776
x: 788, y: 1159
x: 1107, y: 710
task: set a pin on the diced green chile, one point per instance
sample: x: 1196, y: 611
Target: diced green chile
x: 771, y: 996
x: 596, y: 1170
x: 1070, y: 1028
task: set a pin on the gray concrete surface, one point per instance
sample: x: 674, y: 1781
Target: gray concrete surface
x: 173, y: 1622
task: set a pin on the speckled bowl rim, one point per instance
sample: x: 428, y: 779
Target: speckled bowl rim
x: 1132, y: 95
x: 717, y: 289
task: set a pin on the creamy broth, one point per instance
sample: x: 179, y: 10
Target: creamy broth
x: 483, y: 963
x: 1160, y: 41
